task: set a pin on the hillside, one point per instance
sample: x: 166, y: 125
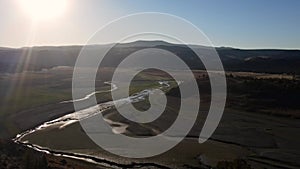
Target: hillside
x: 262, y: 60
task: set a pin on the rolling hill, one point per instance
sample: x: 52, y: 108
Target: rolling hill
x: 260, y: 60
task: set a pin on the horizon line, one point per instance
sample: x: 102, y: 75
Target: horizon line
x: 80, y: 45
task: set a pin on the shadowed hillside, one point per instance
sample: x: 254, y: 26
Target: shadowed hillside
x: 38, y: 58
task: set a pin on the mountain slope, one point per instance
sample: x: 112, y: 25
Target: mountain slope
x: 262, y: 60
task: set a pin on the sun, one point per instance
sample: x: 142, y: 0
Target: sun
x: 43, y: 9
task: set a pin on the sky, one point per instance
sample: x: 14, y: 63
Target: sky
x: 231, y: 23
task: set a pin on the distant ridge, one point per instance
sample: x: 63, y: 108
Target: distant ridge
x: 144, y: 43
x: 254, y: 60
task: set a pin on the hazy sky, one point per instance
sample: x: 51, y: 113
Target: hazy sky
x: 234, y: 23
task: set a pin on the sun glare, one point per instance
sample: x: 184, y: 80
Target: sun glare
x: 44, y: 9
